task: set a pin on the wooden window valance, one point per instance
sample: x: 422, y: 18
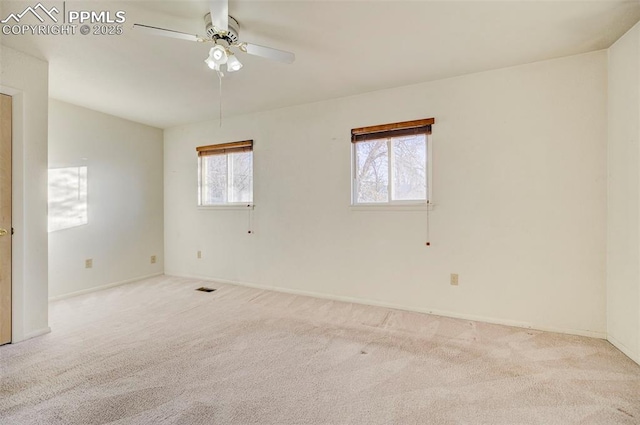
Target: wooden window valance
x: 225, y: 148
x: 406, y: 128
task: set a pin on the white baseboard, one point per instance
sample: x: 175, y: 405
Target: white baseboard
x: 34, y: 334
x: 506, y: 322
x: 102, y: 287
x: 625, y: 350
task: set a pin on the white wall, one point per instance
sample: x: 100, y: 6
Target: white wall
x: 519, y: 183
x: 125, y: 199
x: 623, y: 256
x: 26, y: 79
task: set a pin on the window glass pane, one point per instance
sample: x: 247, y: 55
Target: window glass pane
x: 213, y: 179
x: 372, y: 179
x: 409, y: 162
x: 241, y: 175
x: 67, y: 197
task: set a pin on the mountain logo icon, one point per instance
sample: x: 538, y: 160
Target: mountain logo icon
x: 38, y: 11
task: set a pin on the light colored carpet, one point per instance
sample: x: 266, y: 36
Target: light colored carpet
x: 158, y: 352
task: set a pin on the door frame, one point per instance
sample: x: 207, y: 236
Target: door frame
x: 9, y: 226
x: 19, y: 193
x: 25, y: 78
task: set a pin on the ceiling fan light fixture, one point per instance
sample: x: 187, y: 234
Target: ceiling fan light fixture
x: 218, y: 55
x: 212, y: 64
x: 233, y: 64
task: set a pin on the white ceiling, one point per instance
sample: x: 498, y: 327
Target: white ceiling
x: 342, y: 48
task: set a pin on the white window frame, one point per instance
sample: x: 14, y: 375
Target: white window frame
x: 392, y: 204
x: 225, y: 205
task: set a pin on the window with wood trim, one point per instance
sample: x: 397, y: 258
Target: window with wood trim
x: 391, y: 163
x: 225, y: 174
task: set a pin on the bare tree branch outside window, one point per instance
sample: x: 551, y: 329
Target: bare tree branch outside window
x: 407, y: 158
x: 226, y: 178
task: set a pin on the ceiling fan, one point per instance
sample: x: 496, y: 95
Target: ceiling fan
x: 223, y: 31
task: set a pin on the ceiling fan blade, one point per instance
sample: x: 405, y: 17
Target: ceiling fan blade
x: 268, y: 52
x: 220, y: 14
x: 166, y: 33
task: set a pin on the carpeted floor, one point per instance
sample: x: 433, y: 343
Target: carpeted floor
x: 158, y: 352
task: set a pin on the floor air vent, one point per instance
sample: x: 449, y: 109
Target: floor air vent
x: 205, y: 289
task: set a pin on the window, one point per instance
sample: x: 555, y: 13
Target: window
x: 225, y: 174
x: 390, y: 163
x: 67, y: 197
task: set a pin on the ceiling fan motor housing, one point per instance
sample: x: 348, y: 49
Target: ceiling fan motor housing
x: 232, y: 35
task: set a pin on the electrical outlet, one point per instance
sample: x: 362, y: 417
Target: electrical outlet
x: 88, y: 263
x: 153, y: 259
x: 454, y: 279
x: 199, y: 254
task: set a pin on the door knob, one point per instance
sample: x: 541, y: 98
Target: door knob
x: 3, y: 232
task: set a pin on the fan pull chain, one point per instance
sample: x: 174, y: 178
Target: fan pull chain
x: 220, y: 75
x: 428, y: 236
